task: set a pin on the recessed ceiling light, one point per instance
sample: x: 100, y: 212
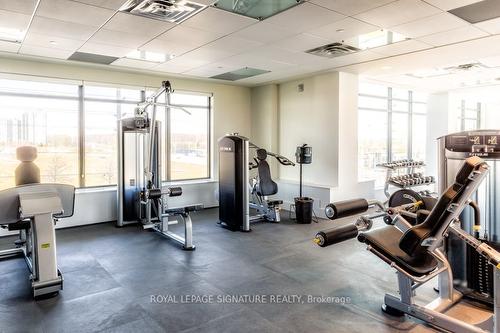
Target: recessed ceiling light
x: 340, y: 30
x: 52, y: 42
x: 149, y: 56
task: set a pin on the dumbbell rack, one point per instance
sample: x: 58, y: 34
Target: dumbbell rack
x: 409, y: 179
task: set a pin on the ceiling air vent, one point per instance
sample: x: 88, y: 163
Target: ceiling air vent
x: 174, y: 11
x: 333, y: 50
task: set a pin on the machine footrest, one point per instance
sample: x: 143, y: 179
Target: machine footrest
x: 183, y: 210
x: 274, y: 202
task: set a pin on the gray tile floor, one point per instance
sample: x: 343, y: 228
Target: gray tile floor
x: 110, y: 275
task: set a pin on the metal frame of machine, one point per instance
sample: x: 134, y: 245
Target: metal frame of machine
x: 434, y: 313
x: 141, y: 197
x: 33, y: 210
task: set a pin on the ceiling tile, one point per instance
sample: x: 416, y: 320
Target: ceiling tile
x: 304, y: 17
x: 110, y: 4
x: 203, y: 55
x: 172, y: 68
x: 263, y: 32
x: 45, y: 52
x: 450, y: 4
x: 106, y: 50
x: 9, y: 47
x: 52, y: 42
x: 402, y: 47
x: 216, y: 20
x: 50, y: 27
x: 134, y: 63
x: 490, y: 26
x: 354, y: 58
x: 249, y: 60
x: 398, y: 12
x: 74, y: 12
x: 351, y: 7
x: 285, y: 56
x: 190, y: 36
x: 491, y: 61
x: 189, y: 61
x: 163, y: 46
x: 18, y: 6
x: 14, y: 20
x: 118, y: 38
x: 430, y: 25
x: 233, y: 45
x: 344, y: 29
x: 137, y: 25
x: 453, y: 36
x: 301, y: 42
x: 203, y: 72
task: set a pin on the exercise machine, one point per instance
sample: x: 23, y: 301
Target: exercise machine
x: 33, y: 209
x: 414, y: 251
x: 473, y: 276
x: 141, y: 196
x: 238, y: 194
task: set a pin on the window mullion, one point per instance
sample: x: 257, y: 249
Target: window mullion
x: 389, y: 124
x: 410, y: 124
x: 81, y: 135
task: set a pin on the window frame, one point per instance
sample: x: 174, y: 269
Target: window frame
x: 80, y: 98
x: 168, y: 137
x: 389, y: 114
x: 463, y: 115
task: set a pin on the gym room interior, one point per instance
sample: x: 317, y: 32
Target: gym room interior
x: 249, y: 166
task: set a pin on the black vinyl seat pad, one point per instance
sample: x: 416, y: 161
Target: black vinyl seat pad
x: 266, y: 185
x: 386, y: 241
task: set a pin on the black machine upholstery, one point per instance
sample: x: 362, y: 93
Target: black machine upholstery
x: 266, y: 185
x: 405, y: 249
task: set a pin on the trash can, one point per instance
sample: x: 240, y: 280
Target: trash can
x: 304, y: 210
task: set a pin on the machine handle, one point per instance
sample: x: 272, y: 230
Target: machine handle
x: 346, y: 208
x: 174, y: 191
x: 336, y: 235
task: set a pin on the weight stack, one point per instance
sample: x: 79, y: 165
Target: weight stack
x: 479, y: 277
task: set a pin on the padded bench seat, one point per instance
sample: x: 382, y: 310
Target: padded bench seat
x: 386, y: 241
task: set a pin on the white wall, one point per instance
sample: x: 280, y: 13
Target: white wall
x: 310, y: 117
x: 231, y: 113
x: 325, y: 116
x: 264, y: 132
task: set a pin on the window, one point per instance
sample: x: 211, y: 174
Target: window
x: 44, y: 115
x: 469, y: 115
x: 103, y: 107
x: 74, y: 127
x: 392, y: 126
x: 186, y: 133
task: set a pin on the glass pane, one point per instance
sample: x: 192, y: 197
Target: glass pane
x: 113, y: 93
x: 372, y: 103
x: 400, y: 106
x: 419, y: 133
x: 419, y: 96
x: 38, y: 88
x: 189, y: 99
x: 400, y: 94
x: 372, y: 145
x: 419, y: 108
x: 189, y: 144
x: 256, y: 8
x: 471, y: 113
x: 49, y: 124
x: 368, y: 88
x: 399, y: 136
x: 100, y: 143
x: 470, y: 125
